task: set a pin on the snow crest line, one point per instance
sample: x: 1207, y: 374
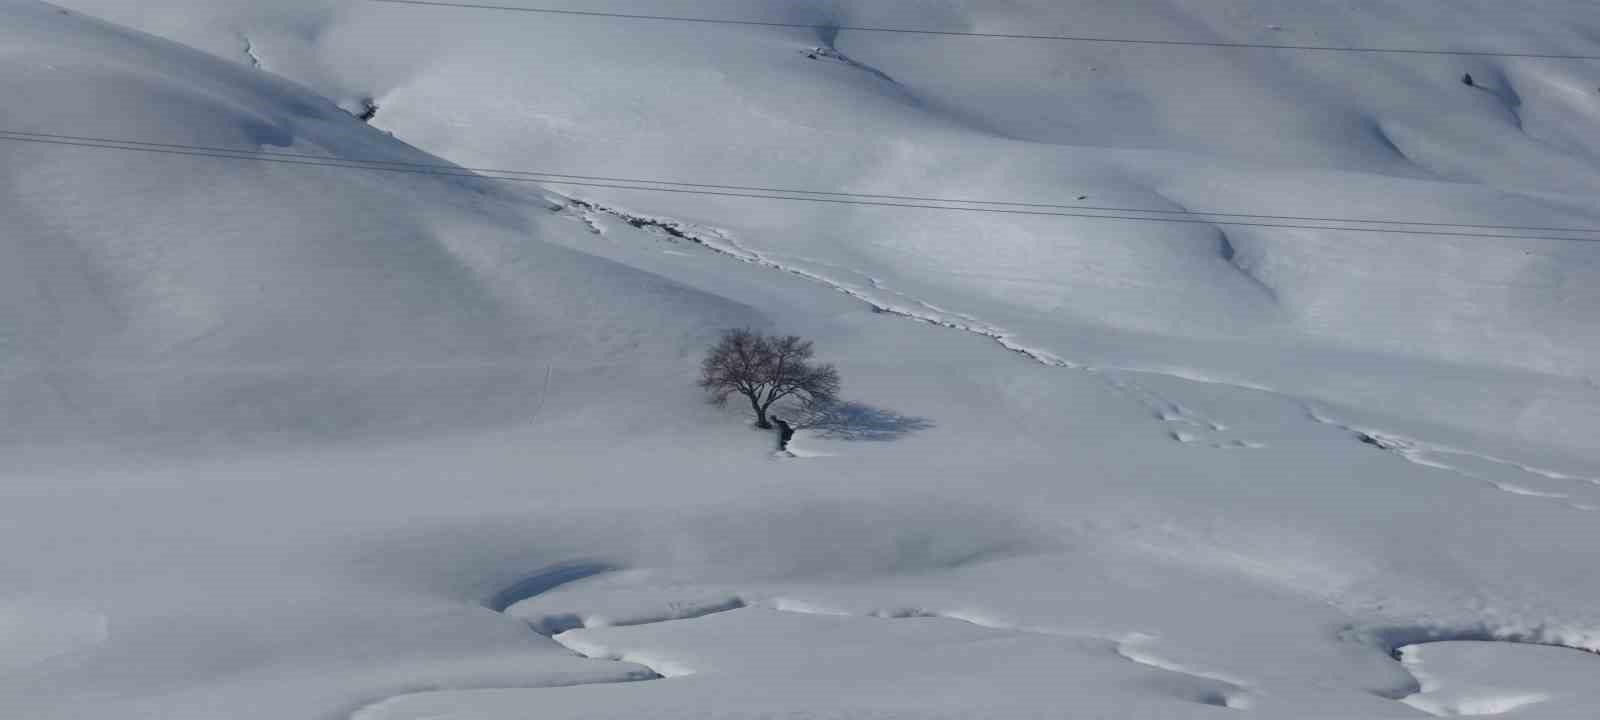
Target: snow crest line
x: 556, y: 629
x: 1134, y: 647
x: 722, y: 243
x: 1401, y: 642
x: 1438, y: 457
x: 1235, y: 695
x: 565, y: 629
x: 1497, y: 704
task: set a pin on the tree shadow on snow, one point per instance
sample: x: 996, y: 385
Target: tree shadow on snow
x: 856, y: 422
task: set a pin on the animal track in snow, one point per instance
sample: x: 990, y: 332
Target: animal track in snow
x: 1186, y: 426
x: 1163, y: 409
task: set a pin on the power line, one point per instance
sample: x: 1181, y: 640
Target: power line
x: 753, y: 193
x: 558, y: 178
x: 997, y: 36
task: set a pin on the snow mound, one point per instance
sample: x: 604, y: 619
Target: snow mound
x: 1495, y: 678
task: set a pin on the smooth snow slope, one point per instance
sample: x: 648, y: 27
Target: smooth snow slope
x: 302, y: 442
x: 160, y: 294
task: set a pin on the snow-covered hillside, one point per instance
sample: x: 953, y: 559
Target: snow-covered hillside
x: 155, y: 292
x: 1352, y: 137
x: 1242, y: 375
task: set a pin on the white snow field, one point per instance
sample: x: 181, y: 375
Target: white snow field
x: 303, y: 418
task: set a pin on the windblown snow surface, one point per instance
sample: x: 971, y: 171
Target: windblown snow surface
x: 291, y: 434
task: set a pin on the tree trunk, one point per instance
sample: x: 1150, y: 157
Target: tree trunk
x: 785, y: 434
x: 761, y: 415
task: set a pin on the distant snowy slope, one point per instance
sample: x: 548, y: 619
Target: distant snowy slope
x: 149, y: 292
x: 1498, y: 177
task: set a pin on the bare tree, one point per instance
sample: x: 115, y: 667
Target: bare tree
x: 765, y: 370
